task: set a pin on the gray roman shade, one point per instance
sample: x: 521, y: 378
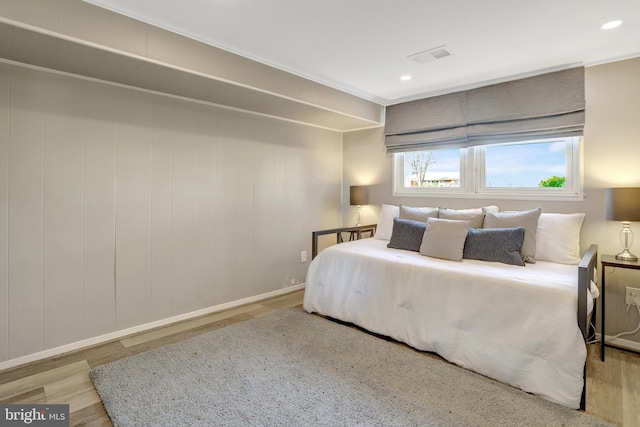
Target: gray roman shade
x: 545, y: 106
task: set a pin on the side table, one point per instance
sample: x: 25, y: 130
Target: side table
x: 610, y: 261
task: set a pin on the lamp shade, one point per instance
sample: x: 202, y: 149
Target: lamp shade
x: 623, y: 204
x: 359, y: 195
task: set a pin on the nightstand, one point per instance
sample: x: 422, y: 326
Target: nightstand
x: 355, y: 233
x: 610, y: 261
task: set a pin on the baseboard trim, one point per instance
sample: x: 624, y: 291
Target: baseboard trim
x: 621, y: 342
x: 30, y: 358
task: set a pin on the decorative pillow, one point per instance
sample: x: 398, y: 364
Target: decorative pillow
x: 418, y: 214
x: 526, y: 219
x: 385, y: 222
x: 485, y: 209
x: 558, y: 237
x: 492, y: 209
x: 474, y: 216
x: 444, y: 238
x: 407, y: 234
x: 495, y: 244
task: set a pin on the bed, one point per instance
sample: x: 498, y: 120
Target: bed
x: 523, y: 326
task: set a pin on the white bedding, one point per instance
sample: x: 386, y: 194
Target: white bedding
x: 515, y: 324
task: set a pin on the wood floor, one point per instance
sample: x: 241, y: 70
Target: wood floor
x: 613, y: 387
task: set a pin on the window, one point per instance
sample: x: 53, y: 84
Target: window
x: 541, y: 169
x: 433, y: 169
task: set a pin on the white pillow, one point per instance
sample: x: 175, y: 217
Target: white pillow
x: 558, y: 237
x: 385, y: 222
x: 491, y: 208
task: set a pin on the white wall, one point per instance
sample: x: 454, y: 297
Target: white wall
x: 611, y: 158
x: 120, y: 207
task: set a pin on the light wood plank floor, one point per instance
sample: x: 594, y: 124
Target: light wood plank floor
x: 613, y: 387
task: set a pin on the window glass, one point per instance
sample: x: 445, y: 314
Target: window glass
x: 526, y: 165
x: 435, y: 168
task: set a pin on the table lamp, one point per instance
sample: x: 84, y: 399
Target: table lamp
x: 623, y: 204
x: 359, y: 195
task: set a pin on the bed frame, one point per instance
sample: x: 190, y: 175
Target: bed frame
x: 586, y: 273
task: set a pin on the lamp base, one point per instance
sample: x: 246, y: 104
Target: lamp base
x: 626, y: 256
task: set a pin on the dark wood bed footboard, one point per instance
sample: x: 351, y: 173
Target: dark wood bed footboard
x: 586, y: 273
x: 356, y: 233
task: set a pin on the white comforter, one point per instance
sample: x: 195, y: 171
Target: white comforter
x: 515, y: 324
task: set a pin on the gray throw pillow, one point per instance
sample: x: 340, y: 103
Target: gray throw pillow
x: 444, y: 238
x: 495, y: 244
x: 406, y: 234
x: 526, y: 219
x: 418, y: 214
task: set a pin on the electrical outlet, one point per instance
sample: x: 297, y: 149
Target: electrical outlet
x: 633, y: 296
x: 303, y: 256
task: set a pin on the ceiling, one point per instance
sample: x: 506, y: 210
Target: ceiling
x: 361, y: 46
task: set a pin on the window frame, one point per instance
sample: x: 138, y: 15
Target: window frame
x: 472, y: 178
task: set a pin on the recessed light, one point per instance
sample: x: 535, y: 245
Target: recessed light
x: 612, y: 24
x: 405, y: 77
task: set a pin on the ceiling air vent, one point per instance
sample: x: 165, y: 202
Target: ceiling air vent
x: 430, y: 55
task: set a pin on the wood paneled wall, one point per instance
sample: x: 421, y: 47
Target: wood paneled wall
x: 119, y: 207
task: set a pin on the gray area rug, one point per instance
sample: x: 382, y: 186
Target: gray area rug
x: 290, y: 368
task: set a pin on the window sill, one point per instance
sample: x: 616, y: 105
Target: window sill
x: 564, y: 197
